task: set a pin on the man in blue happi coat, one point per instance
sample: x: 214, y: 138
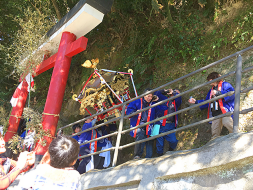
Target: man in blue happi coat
x: 90, y: 147
x: 169, y: 123
x: 221, y: 106
x: 141, y: 118
x: 76, y: 129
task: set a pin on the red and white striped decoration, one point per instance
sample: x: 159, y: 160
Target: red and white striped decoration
x: 16, y: 94
x: 28, y: 78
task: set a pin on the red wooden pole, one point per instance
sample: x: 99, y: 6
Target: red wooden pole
x: 56, y: 90
x: 16, y: 113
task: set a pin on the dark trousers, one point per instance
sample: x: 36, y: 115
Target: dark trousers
x: 171, y: 138
x: 138, y: 149
x: 98, y: 160
x: 83, y: 162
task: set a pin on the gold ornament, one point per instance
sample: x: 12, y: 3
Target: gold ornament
x: 74, y: 97
x: 91, y: 64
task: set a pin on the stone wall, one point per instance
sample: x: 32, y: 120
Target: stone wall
x: 223, y: 163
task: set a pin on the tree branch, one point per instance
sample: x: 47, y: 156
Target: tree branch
x: 56, y: 9
x: 37, y: 9
x: 167, y: 9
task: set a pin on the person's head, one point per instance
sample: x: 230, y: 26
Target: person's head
x: 63, y: 152
x: 212, y: 76
x: 148, y: 97
x: 2, y: 144
x: 88, y: 120
x: 76, y: 128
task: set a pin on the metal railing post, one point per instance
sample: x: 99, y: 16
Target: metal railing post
x: 237, y: 93
x: 115, y: 157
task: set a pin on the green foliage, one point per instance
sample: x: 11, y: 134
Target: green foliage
x: 185, y: 41
x: 189, y: 36
x: 137, y: 6
x: 4, y: 117
x: 23, y: 25
x: 8, y: 28
x: 239, y: 37
x: 41, y: 86
x: 16, y: 143
x: 243, y: 32
x: 156, y: 6
x: 27, y: 40
x: 202, y: 2
x: 149, y: 42
x: 219, y: 41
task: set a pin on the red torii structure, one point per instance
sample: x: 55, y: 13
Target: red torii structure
x: 68, y: 47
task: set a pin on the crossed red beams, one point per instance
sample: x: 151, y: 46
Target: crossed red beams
x: 67, y: 49
x: 73, y: 49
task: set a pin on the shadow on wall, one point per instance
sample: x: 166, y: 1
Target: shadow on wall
x: 218, y: 152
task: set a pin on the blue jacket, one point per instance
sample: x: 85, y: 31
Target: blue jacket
x: 178, y: 102
x: 86, y: 136
x: 76, y: 137
x: 228, y: 102
x: 136, y: 105
x: 23, y: 135
x: 103, y: 130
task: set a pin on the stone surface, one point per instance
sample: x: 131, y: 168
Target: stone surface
x: 225, y: 162
x: 235, y: 175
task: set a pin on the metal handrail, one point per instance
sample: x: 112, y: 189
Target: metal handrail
x: 156, y: 104
x: 246, y: 110
x: 180, y: 111
x: 164, y: 117
x: 100, y: 138
x: 187, y: 126
x: 162, y: 134
x: 120, y: 131
x: 163, y: 86
x: 161, y: 102
x: 237, y: 94
x: 170, y: 115
x: 169, y: 132
x: 247, y: 89
x: 178, y: 129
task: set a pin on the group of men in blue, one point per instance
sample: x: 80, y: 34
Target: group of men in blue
x: 215, y: 108
x: 97, y: 161
x: 165, y: 125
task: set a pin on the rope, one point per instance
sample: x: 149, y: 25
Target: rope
x: 12, y: 131
x: 55, y: 115
x: 17, y: 117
